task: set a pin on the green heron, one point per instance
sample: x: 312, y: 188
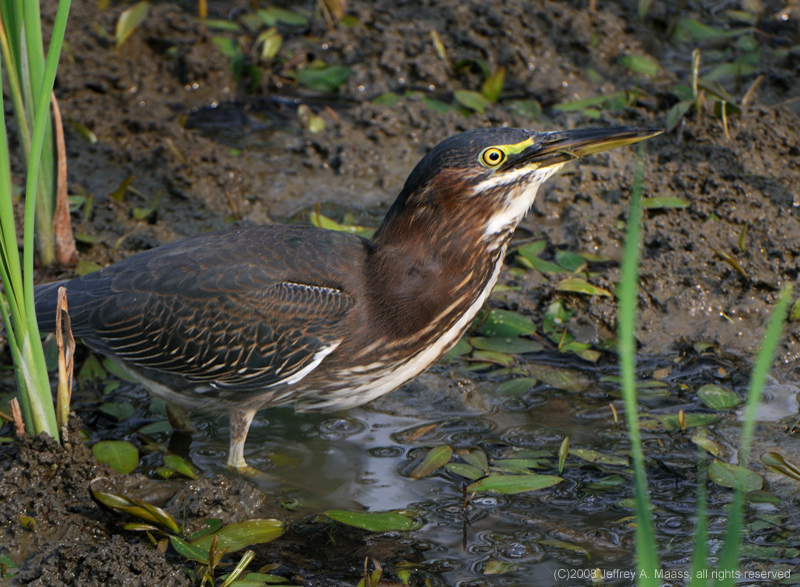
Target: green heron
x: 248, y: 318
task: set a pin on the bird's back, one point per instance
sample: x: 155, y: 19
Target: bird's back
x: 222, y: 315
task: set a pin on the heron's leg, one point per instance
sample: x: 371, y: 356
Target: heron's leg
x: 240, y: 424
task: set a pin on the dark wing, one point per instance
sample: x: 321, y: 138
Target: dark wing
x: 211, y: 312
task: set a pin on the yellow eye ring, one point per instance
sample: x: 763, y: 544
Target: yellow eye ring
x: 492, y: 157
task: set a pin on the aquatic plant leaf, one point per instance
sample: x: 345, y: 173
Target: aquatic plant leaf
x: 704, y: 442
x: 498, y: 568
x: 119, y: 193
x: 508, y: 344
x: 776, y: 463
x: 388, y: 99
x: 118, y: 371
x: 270, y: 42
x: 236, y: 536
x: 138, y: 508
x: 212, y: 525
x: 734, y: 476
x: 180, y: 465
x: 512, y: 484
x: 516, y: 386
x: 560, y: 378
x: 136, y: 527
x: 735, y: 70
x: 594, y: 456
x: 493, y: 85
x: 464, y: 470
x: 265, y: 578
x: 530, y: 108
x: 221, y: 24
x: 674, y: 116
x: 130, y: 20
x: 189, y: 551
x: 476, y: 457
x: 543, y: 266
x: 532, y: 249
x: 795, y: 313
x: 516, y: 466
x: 462, y: 347
x: 494, y: 357
x: 689, y: 28
x: 578, y: 285
x: 692, y: 420
x: 373, y: 521
x: 503, y: 323
x: 607, y: 483
x: 436, y: 458
x: 472, y: 100
x: 272, y: 16
x: 119, y: 411
x: 436, y: 105
x: 327, y: 79
x: 643, y: 64
x: 717, y: 398
x: 570, y: 261
x: 120, y: 455
x: 768, y: 553
x: 731, y: 261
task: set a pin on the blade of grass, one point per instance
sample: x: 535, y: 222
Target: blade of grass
x: 729, y: 555
x: 700, y: 555
x: 628, y: 290
x: 42, y: 407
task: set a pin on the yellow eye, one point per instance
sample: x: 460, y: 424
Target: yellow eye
x: 492, y: 157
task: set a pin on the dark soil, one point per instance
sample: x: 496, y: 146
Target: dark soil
x: 148, y: 103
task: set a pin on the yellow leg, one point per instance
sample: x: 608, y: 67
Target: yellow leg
x: 240, y: 425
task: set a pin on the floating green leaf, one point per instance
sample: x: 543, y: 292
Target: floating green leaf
x: 503, y: 323
x: 119, y: 411
x: 717, y: 398
x: 212, y: 525
x: 516, y: 386
x: 493, y: 85
x: 272, y: 16
x: 220, y: 24
x: 130, y: 20
x: 270, y: 42
x: 693, y: 420
x: 498, y: 568
x: 776, y: 463
x: 578, y: 285
x: 560, y: 378
x: 189, y: 551
x: 138, y: 508
x: 795, y: 313
x: 493, y: 357
x: 388, y: 99
x: 594, y: 456
x: 327, y: 79
x: 643, y: 64
x: 464, y: 470
x: 734, y: 476
x: 472, y: 100
x: 511, y: 484
x: 512, y: 344
x: 120, y: 455
x: 236, y: 536
x: 373, y: 521
x: 180, y: 465
x: 436, y: 458
x: 570, y: 261
x: 462, y: 348
x: 543, y: 266
x: 476, y: 457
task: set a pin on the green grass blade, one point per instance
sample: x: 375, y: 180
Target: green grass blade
x: 729, y: 556
x: 700, y: 563
x: 628, y: 289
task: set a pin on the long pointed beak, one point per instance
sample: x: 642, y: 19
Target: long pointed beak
x: 552, y: 148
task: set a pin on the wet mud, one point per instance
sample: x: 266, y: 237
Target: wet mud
x: 167, y: 110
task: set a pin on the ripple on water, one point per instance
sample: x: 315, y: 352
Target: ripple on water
x: 335, y: 429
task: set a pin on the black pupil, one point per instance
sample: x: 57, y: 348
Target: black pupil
x: 494, y: 156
